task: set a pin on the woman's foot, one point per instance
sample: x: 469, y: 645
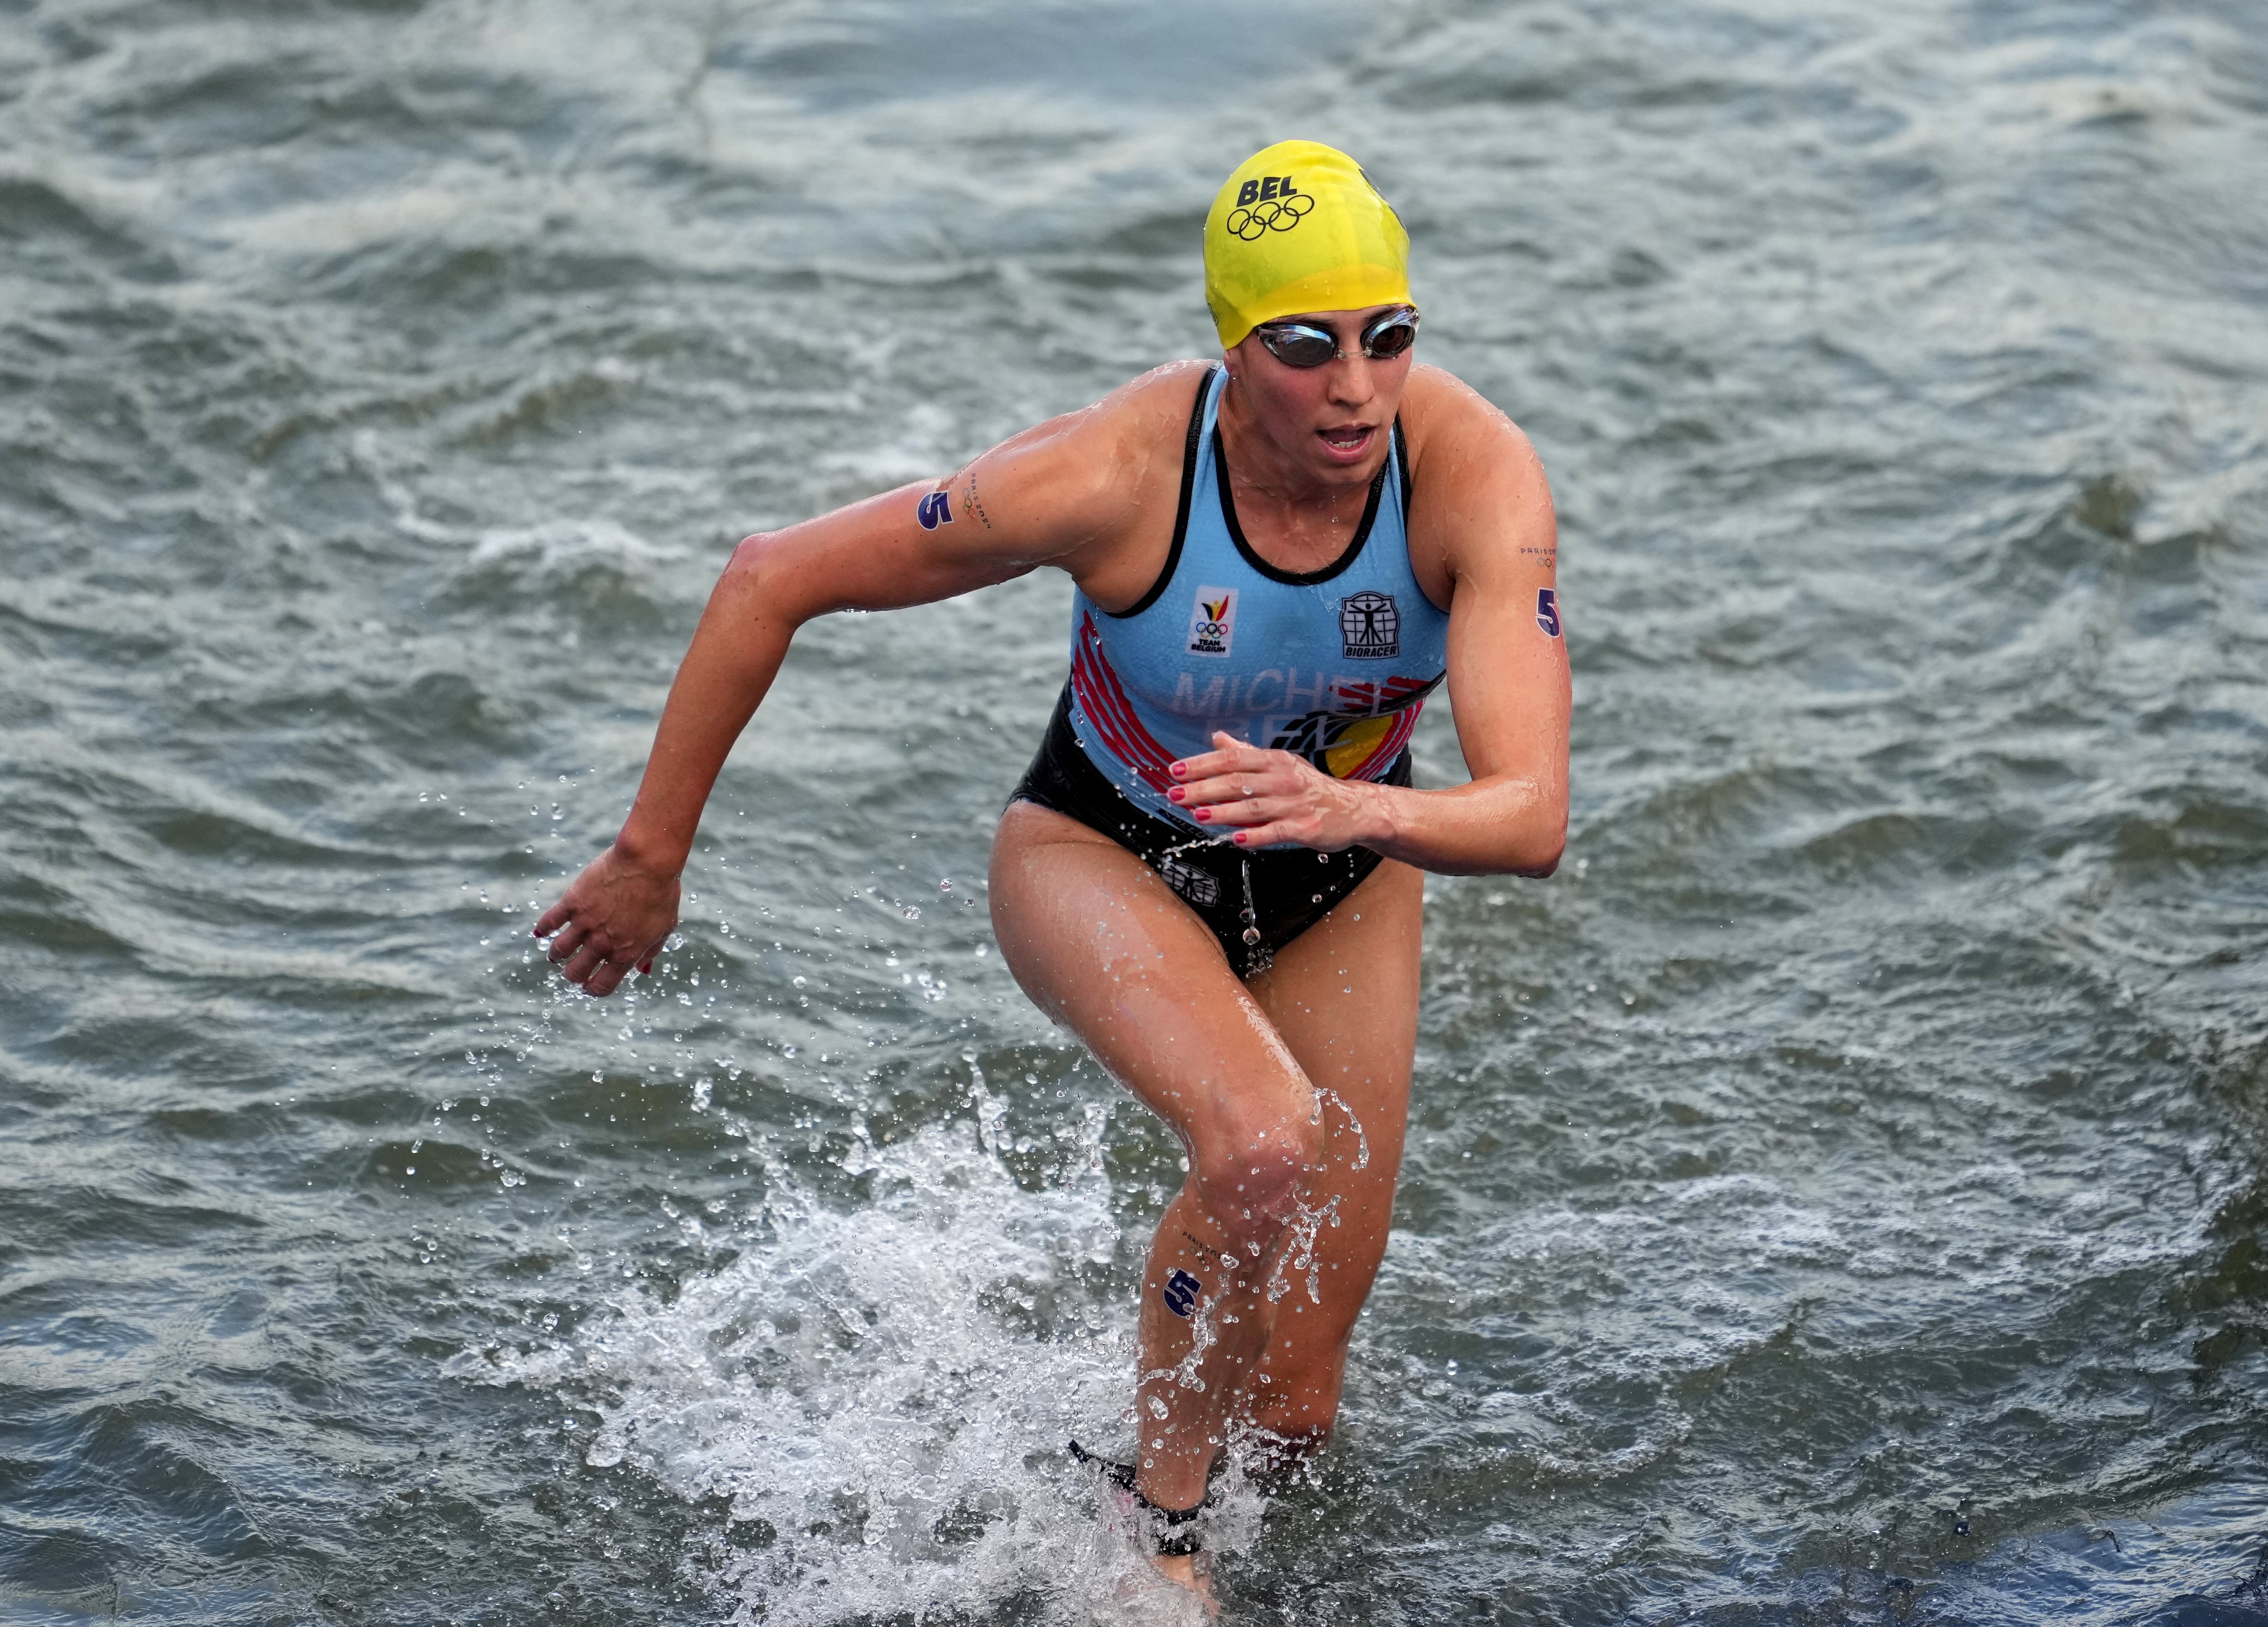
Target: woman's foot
x: 1183, y: 1571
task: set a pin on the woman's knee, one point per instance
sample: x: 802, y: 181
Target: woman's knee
x: 1249, y: 1180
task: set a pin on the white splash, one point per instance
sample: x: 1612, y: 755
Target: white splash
x: 890, y: 1388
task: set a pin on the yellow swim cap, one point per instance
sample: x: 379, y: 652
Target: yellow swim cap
x: 1297, y: 228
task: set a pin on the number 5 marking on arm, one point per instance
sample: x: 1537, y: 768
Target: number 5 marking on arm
x: 936, y: 510
x: 1547, y: 612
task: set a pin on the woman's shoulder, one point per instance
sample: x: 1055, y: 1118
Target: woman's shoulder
x: 1078, y: 489
x: 1163, y: 398
x: 1111, y: 435
x: 1446, y: 422
x: 1437, y: 402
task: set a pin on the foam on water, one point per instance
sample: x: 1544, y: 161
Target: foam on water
x: 555, y: 544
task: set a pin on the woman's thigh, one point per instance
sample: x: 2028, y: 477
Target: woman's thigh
x: 1105, y: 949
x: 1343, y: 996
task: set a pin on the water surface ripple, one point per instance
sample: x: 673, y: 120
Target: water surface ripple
x: 1835, y: 1197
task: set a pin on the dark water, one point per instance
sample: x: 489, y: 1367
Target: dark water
x: 1835, y: 1197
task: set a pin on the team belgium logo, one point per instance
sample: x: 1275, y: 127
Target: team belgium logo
x: 1213, y: 622
x: 1370, y: 628
x: 1267, y: 203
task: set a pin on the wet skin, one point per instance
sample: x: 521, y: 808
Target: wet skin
x: 1290, y: 1091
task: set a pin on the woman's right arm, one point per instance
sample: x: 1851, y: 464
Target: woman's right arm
x: 1061, y: 493
x: 619, y: 910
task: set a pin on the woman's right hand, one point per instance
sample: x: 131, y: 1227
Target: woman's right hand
x: 610, y: 920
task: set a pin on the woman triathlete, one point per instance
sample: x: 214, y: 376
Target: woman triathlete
x: 1213, y: 873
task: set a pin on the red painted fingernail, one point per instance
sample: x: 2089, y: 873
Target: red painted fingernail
x: 1175, y: 793
x: 1178, y: 770
x: 1203, y: 815
x: 1238, y: 838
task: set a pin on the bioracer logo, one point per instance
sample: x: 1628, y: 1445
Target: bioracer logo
x: 1369, y: 626
x: 1212, y: 621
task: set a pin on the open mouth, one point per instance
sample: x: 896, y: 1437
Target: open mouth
x: 1347, y: 440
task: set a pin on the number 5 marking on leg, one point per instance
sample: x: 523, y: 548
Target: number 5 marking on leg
x: 1181, y: 1292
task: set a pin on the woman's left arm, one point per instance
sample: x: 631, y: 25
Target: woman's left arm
x: 1483, y: 511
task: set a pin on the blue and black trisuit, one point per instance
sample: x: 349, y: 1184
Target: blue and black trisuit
x: 1334, y: 665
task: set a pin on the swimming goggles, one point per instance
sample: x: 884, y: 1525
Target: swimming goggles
x: 1301, y: 344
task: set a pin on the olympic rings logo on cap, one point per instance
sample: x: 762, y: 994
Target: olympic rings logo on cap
x: 1271, y: 215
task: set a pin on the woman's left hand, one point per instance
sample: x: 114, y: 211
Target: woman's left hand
x: 1268, y: 797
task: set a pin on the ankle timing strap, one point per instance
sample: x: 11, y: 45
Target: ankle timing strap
x: 1171, y: 1530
